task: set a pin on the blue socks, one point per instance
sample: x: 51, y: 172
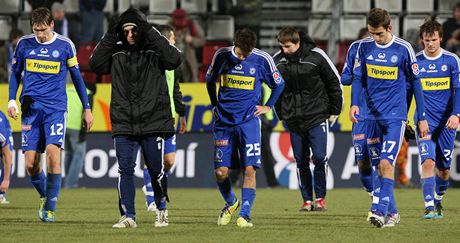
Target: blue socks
x: 428, y: 192
x: 441, y: 188
x: 247, y: 200
x: 386, y: 192
x: 376, y: 191
x: 367, y: 179
x: 148, y: 187
x: 39, y: 182
x: 53, y: 187
x: 225, y: 189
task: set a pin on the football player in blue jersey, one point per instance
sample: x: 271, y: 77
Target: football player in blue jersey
x: 309, y: 104
x: 45, y: 57
x: 439, y: 76
x: 240, y: 70
x: 389, y: 66
x: 366, y: 157
x: 6, y: 156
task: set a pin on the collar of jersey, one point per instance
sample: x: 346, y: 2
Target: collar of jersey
x: 50, y: 41
x: 433, y: 58
x: 388, y: 44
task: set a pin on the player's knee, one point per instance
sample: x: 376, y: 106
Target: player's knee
x: 428, y: 165
x: 221, y: 174
x: 319, y: 160
x: 444, y: 174
x: 169, y: 161
x: 249, y: 172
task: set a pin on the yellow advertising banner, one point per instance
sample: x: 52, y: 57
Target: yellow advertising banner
x: 199, y: 115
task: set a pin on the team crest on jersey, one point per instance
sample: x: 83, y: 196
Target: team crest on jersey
x: 252, y: 70
x: 55, y: 54
x: 219, y: 154
x: 423, y: 148
x: 358, y: 149
x: 394, y: 59
x: 374, y: 152
x: 444, y: 68
x: 415, y: 69
x: 277, y: 77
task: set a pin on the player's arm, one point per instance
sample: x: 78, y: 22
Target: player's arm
x: 453, y: 121
x: 101, y: 59
x: 275, y: 82
x: 179, y: 106
x: 412, y: 71
x: 72, y: 64
x: 8, y: 161
x: 170, y: 56
x: 331, y: 79
x: 347, y: 72
x: 15, y: 78
x: 211, y: 77
x: 356, y: 87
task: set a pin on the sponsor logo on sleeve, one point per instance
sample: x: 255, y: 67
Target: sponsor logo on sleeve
x: 415, y: 69
x: 221, y: 142
x: 277, y: 77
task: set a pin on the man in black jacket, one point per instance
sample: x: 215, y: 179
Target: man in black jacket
x: 311, y: 101
x: 137, y: 55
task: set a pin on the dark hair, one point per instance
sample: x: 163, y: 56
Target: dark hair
x: 429, y: 27
x: 456, y: 6
x: 363, y: 33
x: 245, y: 39
x: 41, y: 16
x: 165, y: 30
x: 378, y: 17
x: 15, y: 33
x: 288, y: 34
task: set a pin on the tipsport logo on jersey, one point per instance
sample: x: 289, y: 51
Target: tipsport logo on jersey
x: 40, y: 66
x: 286, y: 168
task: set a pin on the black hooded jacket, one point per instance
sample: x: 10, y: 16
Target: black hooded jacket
x: 312, y: 87
x: 140, y: 102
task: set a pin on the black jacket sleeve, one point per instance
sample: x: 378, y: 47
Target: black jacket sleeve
x: 170, y: 56
x: 177, y: 96
x: 331, y: 79
x: 101, y: 60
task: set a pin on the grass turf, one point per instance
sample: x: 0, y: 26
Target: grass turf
x: 86, y: 215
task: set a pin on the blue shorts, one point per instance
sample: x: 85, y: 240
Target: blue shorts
x: 243, y: 139
x: 384, y: 139
x: 170, y: 145
x: 40, y: 128
x: 358, y: 134
x: 438, y: 145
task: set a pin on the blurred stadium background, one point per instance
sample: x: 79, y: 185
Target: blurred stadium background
x: 333, y: 24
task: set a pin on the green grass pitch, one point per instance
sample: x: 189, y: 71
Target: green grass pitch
x: 86, y: 215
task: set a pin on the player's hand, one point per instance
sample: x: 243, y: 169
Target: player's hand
x: 409, y: 133
x: 261, y: 109
x: 423, y: 128
x: 354, y: 110
x: 13, y: 109
x: 88, y: 119
x: 452, y: 123
x: 332, y: 120
x: 5, y: 185
x: 114, y: 24
x: 144, y: 27
x: 182, y: 125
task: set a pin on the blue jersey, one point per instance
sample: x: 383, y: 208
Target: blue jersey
x: 241, y: 84
x: 45, y: 67
x: 388, y: 70
x: 6, y: 137
x: 347, y: 77
x: 439, y: 77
